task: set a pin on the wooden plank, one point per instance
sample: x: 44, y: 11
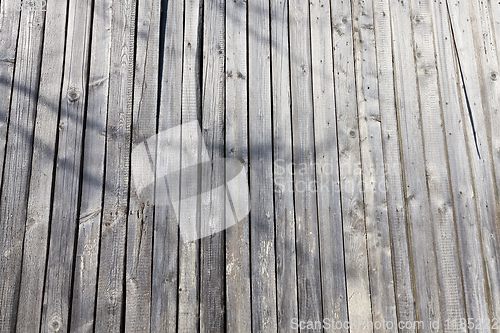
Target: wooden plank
x: 307, y: 242
x: 393, y: 167
x: 436, y: 171
x: 372, y: 158
x: 426, y: 286
x: 191, y: 150
x: 212, y: 257
x: 89, y: 227
x: 262, y: 224
x: 469, y: 243
x: 9, y: 32
x: 141, y: 205
x: 166, y: 231
x: 17, y: 164
x: 334, y: 289
x: 356, y: 259
x: 115, y: 207
x: 63, y: 226
x: 44, y: 150
x: 286, y: 261
x: 238, y: 294
x: 465, y: 33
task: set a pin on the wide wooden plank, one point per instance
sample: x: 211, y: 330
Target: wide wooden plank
x: 44, y: 150
x: 9, y: 31
x: 393, y: 166
x: 286, y: 262
x: 262, y: 223
x: 372, y: 158
x: 64, y: 219
x: 353, y: 215
x: 109, y: 304
x: 17, y: 163
x: 212, y: 257
x: 469, y: 242
x: 238, y: 294
x: 166, y: 231
x: 89, y: 227
x: 141, y: 205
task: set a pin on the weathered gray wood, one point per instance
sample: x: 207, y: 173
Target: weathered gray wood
x: 420, y: 221
x: 9, y: 30
x: 44, y: 150
x: 191, y: 150
x: 469, y: 244
x: 372, y: 158
x: 286, y: 261
x: 64, y: 219
x: 89, y: 227
x: 212, y: 257
x: 18, y: 157
x: 238, y: 294
x: 141, y: 205
x: 465, y: 33
x: 334, y: 290
x: 166, y: 231
x: 393, y: 167
x: 115, y: 207
x: 356, y: 258
x: 262, y: 225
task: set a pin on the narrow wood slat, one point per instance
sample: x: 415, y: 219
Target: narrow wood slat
x: 166, y: 231
x: 141, y: 205
x: 353, y: 215
x: 44, y: 150
x: 89, y: 227
x: 238, y: 294
x: 372, y: 155
x: 64, y: 219
x: 469, y: 243
x: 393, y: 167
x: 115, y: 207
x: 262, y: 223
x: 286, y: 261
x: 18, y: 157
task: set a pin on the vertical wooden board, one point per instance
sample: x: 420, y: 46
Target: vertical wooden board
x: 353, y: 215
x: 286, y: 262
x: 9, y: 31
x: 166, y: 231
x: 334, y: 289
x: 262, y: 224
x: 191, y: 149
x: 306, y: 214
x: 44, y: 150
x: 141, y: 205
x: 405, y: 300
x: 64, y: 218
x: 436, y: 164
x: 18, y: 157
x: 109, y: 305
x: 469, y: 243
x: 238, y: 306
x: 464, y: 31
x: 372, y: 155
x: 89, y: 227
x: 420, y: 222
x: 212, y: 257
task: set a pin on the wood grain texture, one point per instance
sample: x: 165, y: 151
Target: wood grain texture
x: 239, y: 309
x: 17, y: 163
x: 111, y: 274
x: 262, y: 223
x: 42, y: 176
x: 284, y: 212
